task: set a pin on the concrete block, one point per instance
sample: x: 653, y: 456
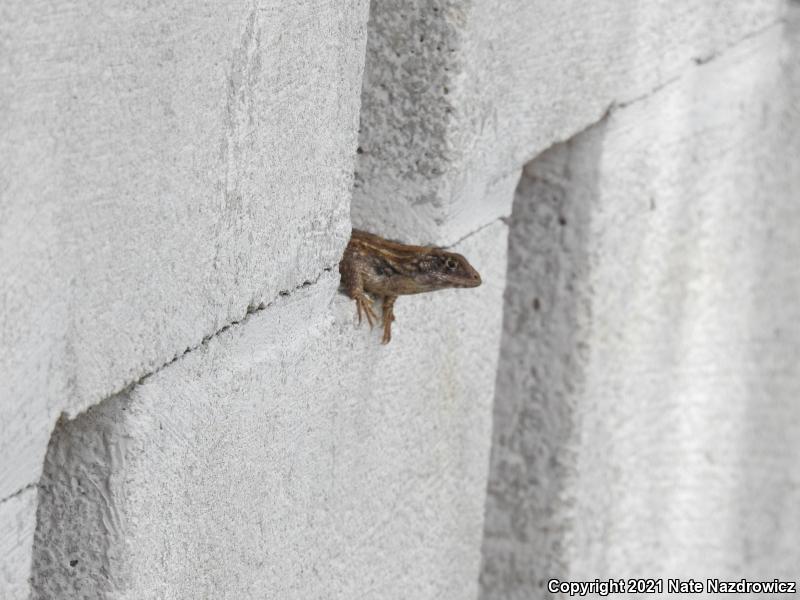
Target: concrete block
x: 290, y: 456
x: 460, y: 94
x: 162, y: 169
x: 646, y: 422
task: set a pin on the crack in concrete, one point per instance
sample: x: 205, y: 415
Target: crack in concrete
x: 615, y: 106
x: 251, y: 310
x: 697, y: 61
x: 477, y: 230
x: 19, y: 492
x: 701, y: 60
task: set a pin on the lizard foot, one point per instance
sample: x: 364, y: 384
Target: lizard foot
x: 387, y: 331
x: 362, y: 302
x: 388, y: 317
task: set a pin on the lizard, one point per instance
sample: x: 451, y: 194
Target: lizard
x: 372, y: 265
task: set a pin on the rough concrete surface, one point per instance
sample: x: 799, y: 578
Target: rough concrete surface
x: 646, y: 420
x: 17, y: 523
x: 162, y: 169
x: 460, y: 94
x: 175, y: 184
x: 546, y: 332
x: 291, y: 455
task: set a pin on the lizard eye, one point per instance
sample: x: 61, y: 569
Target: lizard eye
x: 451, y: 264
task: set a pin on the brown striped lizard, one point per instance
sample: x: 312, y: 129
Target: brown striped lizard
x: 374, y: 266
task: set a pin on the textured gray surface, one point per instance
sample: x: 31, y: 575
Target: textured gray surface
x: 292, y: 455
x: 646, y: 421
x: 546, y: 332
x: 17, y: 523
x: 162, y: 169
x: 460, y: 94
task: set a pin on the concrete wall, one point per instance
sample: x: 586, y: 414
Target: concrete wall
x: 458, y: 95
x: 187, y: 408
x: 291, y: 456
x: 164, y: 169
x: 646, y: 417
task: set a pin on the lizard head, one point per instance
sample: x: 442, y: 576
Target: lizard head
x: 441, y: 269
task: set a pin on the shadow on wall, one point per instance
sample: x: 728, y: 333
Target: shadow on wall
x: 546, y: 318
x: 78, y: 531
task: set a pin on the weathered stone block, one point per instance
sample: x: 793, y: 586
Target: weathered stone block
x: 291, y: 455
x: 458, y: 95
x: 162, y: 169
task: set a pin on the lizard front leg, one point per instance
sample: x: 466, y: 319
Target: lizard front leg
x: 388, y: 317
x: 353, y: 283
x: 363, y: 302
